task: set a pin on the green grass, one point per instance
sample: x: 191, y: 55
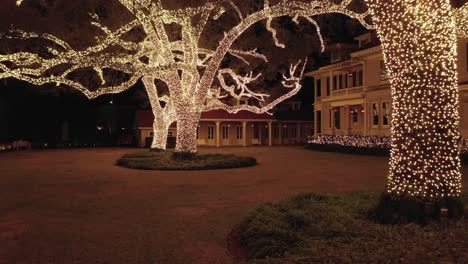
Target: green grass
x: 163, y: 160
x: 313, y: 228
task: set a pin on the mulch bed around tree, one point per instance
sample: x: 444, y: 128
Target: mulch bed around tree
x: 165, y: 160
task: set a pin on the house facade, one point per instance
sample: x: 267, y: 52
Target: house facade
x: 220, y: 129
x: 353, y: 96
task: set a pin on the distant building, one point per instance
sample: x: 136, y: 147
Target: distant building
x: 353, y: 96
x: 289, y: 125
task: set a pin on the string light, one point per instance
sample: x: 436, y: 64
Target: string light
x: 353, y: 141
x: 157, y: 57
x: 419, y: 46
x: 461, y: 16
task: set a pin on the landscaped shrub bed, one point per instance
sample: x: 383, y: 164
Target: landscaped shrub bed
x: 375, y: 151
x: 166, y: 160
x: 314, y: 228
x: 364, y: 145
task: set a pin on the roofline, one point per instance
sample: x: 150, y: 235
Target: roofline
x: 369, y: 51
x: 238, y: 120
x: 339, y: 65
x: 355, y: 60
x: 278, y: 121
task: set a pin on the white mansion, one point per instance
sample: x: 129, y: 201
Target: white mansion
x: 352, y: 94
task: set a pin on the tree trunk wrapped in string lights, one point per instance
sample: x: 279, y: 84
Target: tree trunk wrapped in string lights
x: 163, y: 116
x: 188, y: 69
x: 419, y: 41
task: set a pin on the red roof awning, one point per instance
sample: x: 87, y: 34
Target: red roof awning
x: 146, y: 118
x: 241, y: 115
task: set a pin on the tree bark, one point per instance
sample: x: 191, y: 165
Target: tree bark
x: 160, y: 132
x: 187, y: 124
x: 419, y: 46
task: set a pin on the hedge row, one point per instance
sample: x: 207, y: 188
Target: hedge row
x: 361, y: 150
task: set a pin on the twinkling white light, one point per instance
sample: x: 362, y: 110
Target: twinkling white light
x: 241, y: 90
x: 157, y: 57
x: 461, y: 16
x: 419, y: 45
x: 353, y: 141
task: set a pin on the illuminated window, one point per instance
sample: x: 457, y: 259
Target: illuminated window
x: 375, y: 114
x: 385, y: 113
x: 225, y: 132
x: 337, y: 119
x: 239, y: 132
x: 211, y: 132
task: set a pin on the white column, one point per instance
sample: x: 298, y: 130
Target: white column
x: 346, y: 120
x: 244, y: 134
x: 270, y: 135
x: 332, y: 113
x: 365, y: 115
x: 218, y: 142
x: 315, y: 122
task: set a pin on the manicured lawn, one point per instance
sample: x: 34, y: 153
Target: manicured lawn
x: 315, y: 228
x: 76, y: 206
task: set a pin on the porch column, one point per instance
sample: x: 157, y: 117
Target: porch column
x: 244, y: 134
x: 365, y: 107
x: 332, y: 113
x: 346, y: 119
x: 218, y: 142
x: 270, y: 140
x: 315, y: 123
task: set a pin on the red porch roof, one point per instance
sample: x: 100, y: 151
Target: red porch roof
x: 145, y: 118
